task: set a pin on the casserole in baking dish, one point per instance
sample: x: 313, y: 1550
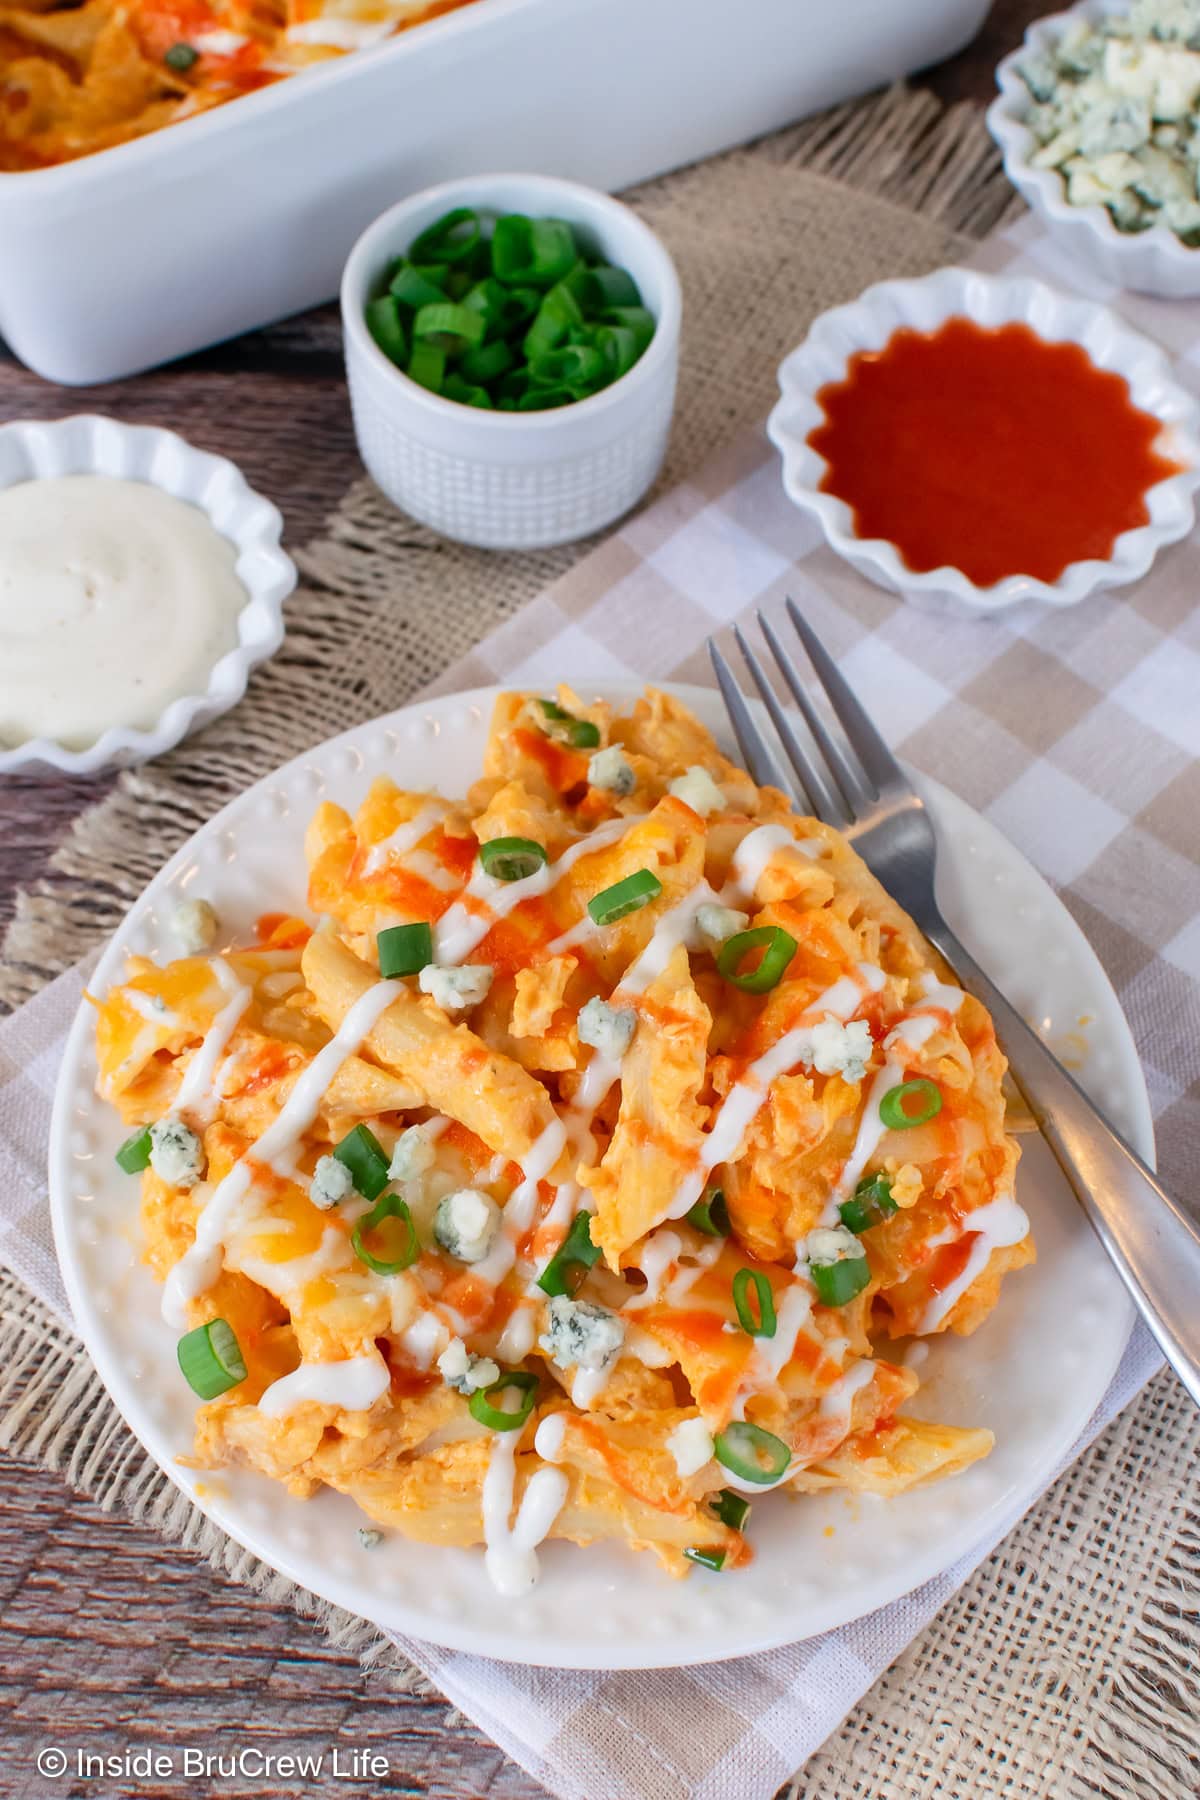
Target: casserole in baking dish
x: 148, y: 250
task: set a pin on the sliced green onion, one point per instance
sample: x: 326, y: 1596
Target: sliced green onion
x: 512, y: 858
x: 486, y: 362
x: 211, y: 1359
x: 406, y: 1245
x: 710, y: 1214
x: 912, y: 1103
x: 532, y: 252
x: 618, y: 346
x: 450, y: 239
x: 762, y: 1325
x: 498, y: 1418
x: 404, y: 949
x: 450, y: 326
x: 427, y: 366
x: 568, y: 1267
x: 362, y: 1153
x: 180, y: 57
x: 732, y: 1509
x: 778, y: 949
x: 581, y: 734
x: 466, y: 393
x: 383, y: 323
x: 614, y: 287
x: 751, y: 1453
x: 574, y: 365
x: 869, y: 1205
x: 134, y: 1154
x: 556, y: 315
x: 838, y: 1283
x: 708, y: 1559
x: 413, y: 288
x: 624, y: 897
x: 636, y: 319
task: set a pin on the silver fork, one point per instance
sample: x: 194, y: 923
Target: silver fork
x: 868, y: 797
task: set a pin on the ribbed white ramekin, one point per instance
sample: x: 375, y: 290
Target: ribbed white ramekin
x: 870, y: 321
x: 32, y: 450
x: 514, y: 481
x: 1149, y: 262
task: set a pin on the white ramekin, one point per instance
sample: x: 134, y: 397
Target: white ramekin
x: 1149, y: 262
x: 32, y: 450
x: 869, y: 322
x: 503, y: 480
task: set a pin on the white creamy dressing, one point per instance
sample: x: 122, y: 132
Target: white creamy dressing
x: 551, y: 1432
x: 200, y: 1089
x: 283, y: 1278
x: 200, y: 1264
x: 340, y: 34
x: 405, y: 837
x: 354, y: 1385
x: 837, y: 1401
x: 115, y: 599
x: 218, y: 43
x: 998, y: 1224
x: 748, y: 1096
x: 511, y: 1555
x: 149, y: 1006
x: 462, y: 927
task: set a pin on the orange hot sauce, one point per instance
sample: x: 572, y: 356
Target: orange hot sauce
x: 992, y: 451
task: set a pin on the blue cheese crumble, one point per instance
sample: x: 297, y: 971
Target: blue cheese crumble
x: 455, y: 990
x: 465, y: 1224
x: 194, y: 926
x: 176, y: 1153
x: 835, y: 1049
x: 413, y: 1155
x: 611, y: 771
x: 714, y: 925
x: 608, y: 1029
x: 832, y: 1244
x: 369, y: 1538
x: 465, y: 1372
x: 331, y: 1183
x: 698, y: 790
x: 580, y: 1335
x: 1116, y: 111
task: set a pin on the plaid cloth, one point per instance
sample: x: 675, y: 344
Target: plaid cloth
x: 1076, y: 733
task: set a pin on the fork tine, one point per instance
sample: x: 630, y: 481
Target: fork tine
x: 815, y: 790
x: 759, y: 760
x: 878, y: 761
x: 849, y: 781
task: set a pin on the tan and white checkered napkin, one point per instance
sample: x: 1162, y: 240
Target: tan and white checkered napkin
x: 1076, y: 733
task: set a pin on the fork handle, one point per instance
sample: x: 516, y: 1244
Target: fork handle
x: 1152, y: 1241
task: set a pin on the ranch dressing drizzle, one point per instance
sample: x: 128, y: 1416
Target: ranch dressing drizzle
x: 200, y: 1264
x: 340, y: 34
x: 354, y: 1385
x: 405, y: 837
x: 746, y: 1098
x: 465, y: 924
x: 198, y: 1091
x: 511, y: 1559
x: 995, y: 1226
x: 115, y: 599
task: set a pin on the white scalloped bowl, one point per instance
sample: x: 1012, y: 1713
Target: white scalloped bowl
x: 1149, y: 262
x: 869, y: 322
x: 33, y: 450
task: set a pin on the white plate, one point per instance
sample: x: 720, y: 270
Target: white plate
x: 1033, y: 1373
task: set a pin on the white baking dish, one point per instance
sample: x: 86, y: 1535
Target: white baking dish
x: 148, y: 251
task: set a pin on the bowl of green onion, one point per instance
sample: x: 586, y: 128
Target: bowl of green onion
x: 512, y: 345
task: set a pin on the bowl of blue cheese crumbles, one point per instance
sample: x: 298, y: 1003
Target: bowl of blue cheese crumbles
x: 1098, y: 117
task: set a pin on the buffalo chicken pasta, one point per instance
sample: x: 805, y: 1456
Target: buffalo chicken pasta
x: 577, y: 1174
x: 80, y: 78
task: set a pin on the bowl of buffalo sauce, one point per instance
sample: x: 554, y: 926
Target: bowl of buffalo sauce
x: 973, y: 442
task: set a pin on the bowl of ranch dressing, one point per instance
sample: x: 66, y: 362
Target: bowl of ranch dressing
x: 140, y: 582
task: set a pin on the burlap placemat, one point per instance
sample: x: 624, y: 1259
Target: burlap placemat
x: 1058, y: 1670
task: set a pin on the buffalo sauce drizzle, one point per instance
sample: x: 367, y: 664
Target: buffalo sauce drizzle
x: 992, y: 451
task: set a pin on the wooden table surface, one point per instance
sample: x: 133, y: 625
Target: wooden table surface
x: 110, y: 1639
